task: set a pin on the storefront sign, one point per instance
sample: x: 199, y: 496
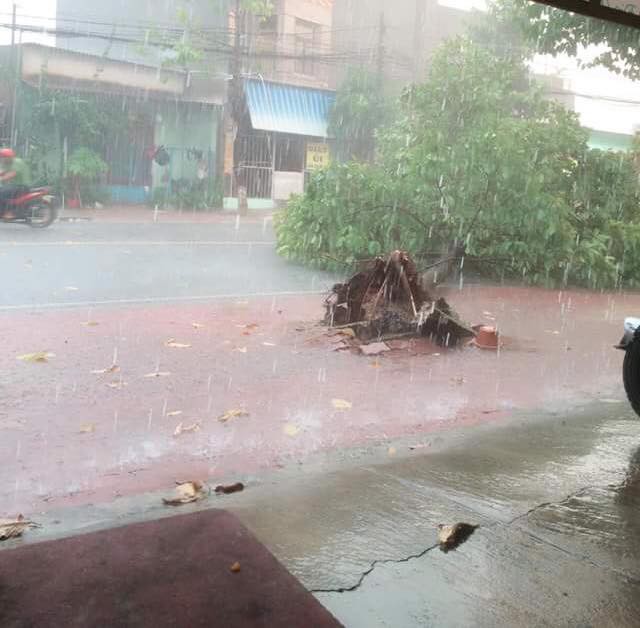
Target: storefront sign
x: 317, y: 156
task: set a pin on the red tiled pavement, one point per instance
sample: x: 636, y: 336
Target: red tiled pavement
x: 68, y: 436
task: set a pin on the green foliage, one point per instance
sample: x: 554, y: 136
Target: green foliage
x: 84, y: 119
x: 555, y: 31
x: 189, y: 195
x: 476, y: 154
x: 337, y: 219
x: 360, y: 108
x: 86, y: 164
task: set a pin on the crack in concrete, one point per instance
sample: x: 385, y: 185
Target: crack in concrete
x: 374, y: 564
x: 528, y: 513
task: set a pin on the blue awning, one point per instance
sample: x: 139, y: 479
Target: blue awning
x: 288, y: 109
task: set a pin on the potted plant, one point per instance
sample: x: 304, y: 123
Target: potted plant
x: 85, y: 167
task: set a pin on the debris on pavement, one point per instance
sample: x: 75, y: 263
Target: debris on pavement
x: 235, y: 568
x: 291, y: 430
x: 114, y: 368
x: 229, y: 415
x: 117, y: 385
x: 40, y: 356
x: 186, y: 493
x: 341, y: 404
x: 452, y: 536
x: 87, y: 428
x: 375, y: 348
x: 386, y: 301
x: 229, y: 489
x: 487, y: 337
x: 186, y: 429
x: 172, y: 343
x: 13, y: 528
x: 157, y: 374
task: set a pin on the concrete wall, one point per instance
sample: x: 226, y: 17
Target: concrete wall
x: 40, y: 62
x: 283, y: 70
x: 131, y: 19
x: 414, y: 29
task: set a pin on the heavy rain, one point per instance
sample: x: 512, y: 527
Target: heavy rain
x: 312, y: 312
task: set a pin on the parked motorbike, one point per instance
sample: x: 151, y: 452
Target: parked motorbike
x: 630, y: 344
x: 36, y: 208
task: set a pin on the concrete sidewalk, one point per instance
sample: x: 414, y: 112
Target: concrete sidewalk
x: 74, y: 432
x: 557, y: 498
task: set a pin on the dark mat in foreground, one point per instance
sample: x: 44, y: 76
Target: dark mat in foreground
x: 170, y: 572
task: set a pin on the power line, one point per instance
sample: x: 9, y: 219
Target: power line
x: 223, y: 48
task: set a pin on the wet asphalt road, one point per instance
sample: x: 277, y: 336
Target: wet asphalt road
x: 103, y: 263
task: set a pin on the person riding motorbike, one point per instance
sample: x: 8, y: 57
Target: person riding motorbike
x: 15, y: 180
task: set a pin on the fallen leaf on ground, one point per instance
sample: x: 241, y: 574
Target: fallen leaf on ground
x: 375, y: 365
x: 186, y: 493
x: 198, y: 325
x: 232, y: 414
x: 174, y: 413
x: 291, y: 430
x: 251, y: 326
x: 186, y: 429
x: 117, y: 385
x: 90, y: 323
x: 157, y: 374
x: 13, y: 528
x: 347, y: 332
x: 87, y: 428
x: 40, y: 356
x: 392, y: 451
x: 452, y: 536
x: 229, y: 489
x: 112, y: 369
x: 241, y: 349
x: 172, y: 343
x: 341, y: 404
x: 235, y: 568
x: 375, y: 348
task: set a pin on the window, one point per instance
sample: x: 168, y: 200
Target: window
x: 307, y: 39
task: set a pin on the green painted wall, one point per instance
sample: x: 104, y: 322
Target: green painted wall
x: 181, y: 127
x: 604, y: 140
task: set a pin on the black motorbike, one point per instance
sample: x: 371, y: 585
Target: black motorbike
x: 630, y: 344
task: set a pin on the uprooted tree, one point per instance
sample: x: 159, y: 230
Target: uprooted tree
x: 479, y: 155
x: 387, y: 299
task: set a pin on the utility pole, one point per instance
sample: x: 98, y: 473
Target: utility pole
x: 418, y: 40
x: 235, y: 105
x: 13, y: 26
x: 382, y: 31
x: 15, y: 72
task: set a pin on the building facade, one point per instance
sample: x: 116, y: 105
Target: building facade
x: 399, y: 38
